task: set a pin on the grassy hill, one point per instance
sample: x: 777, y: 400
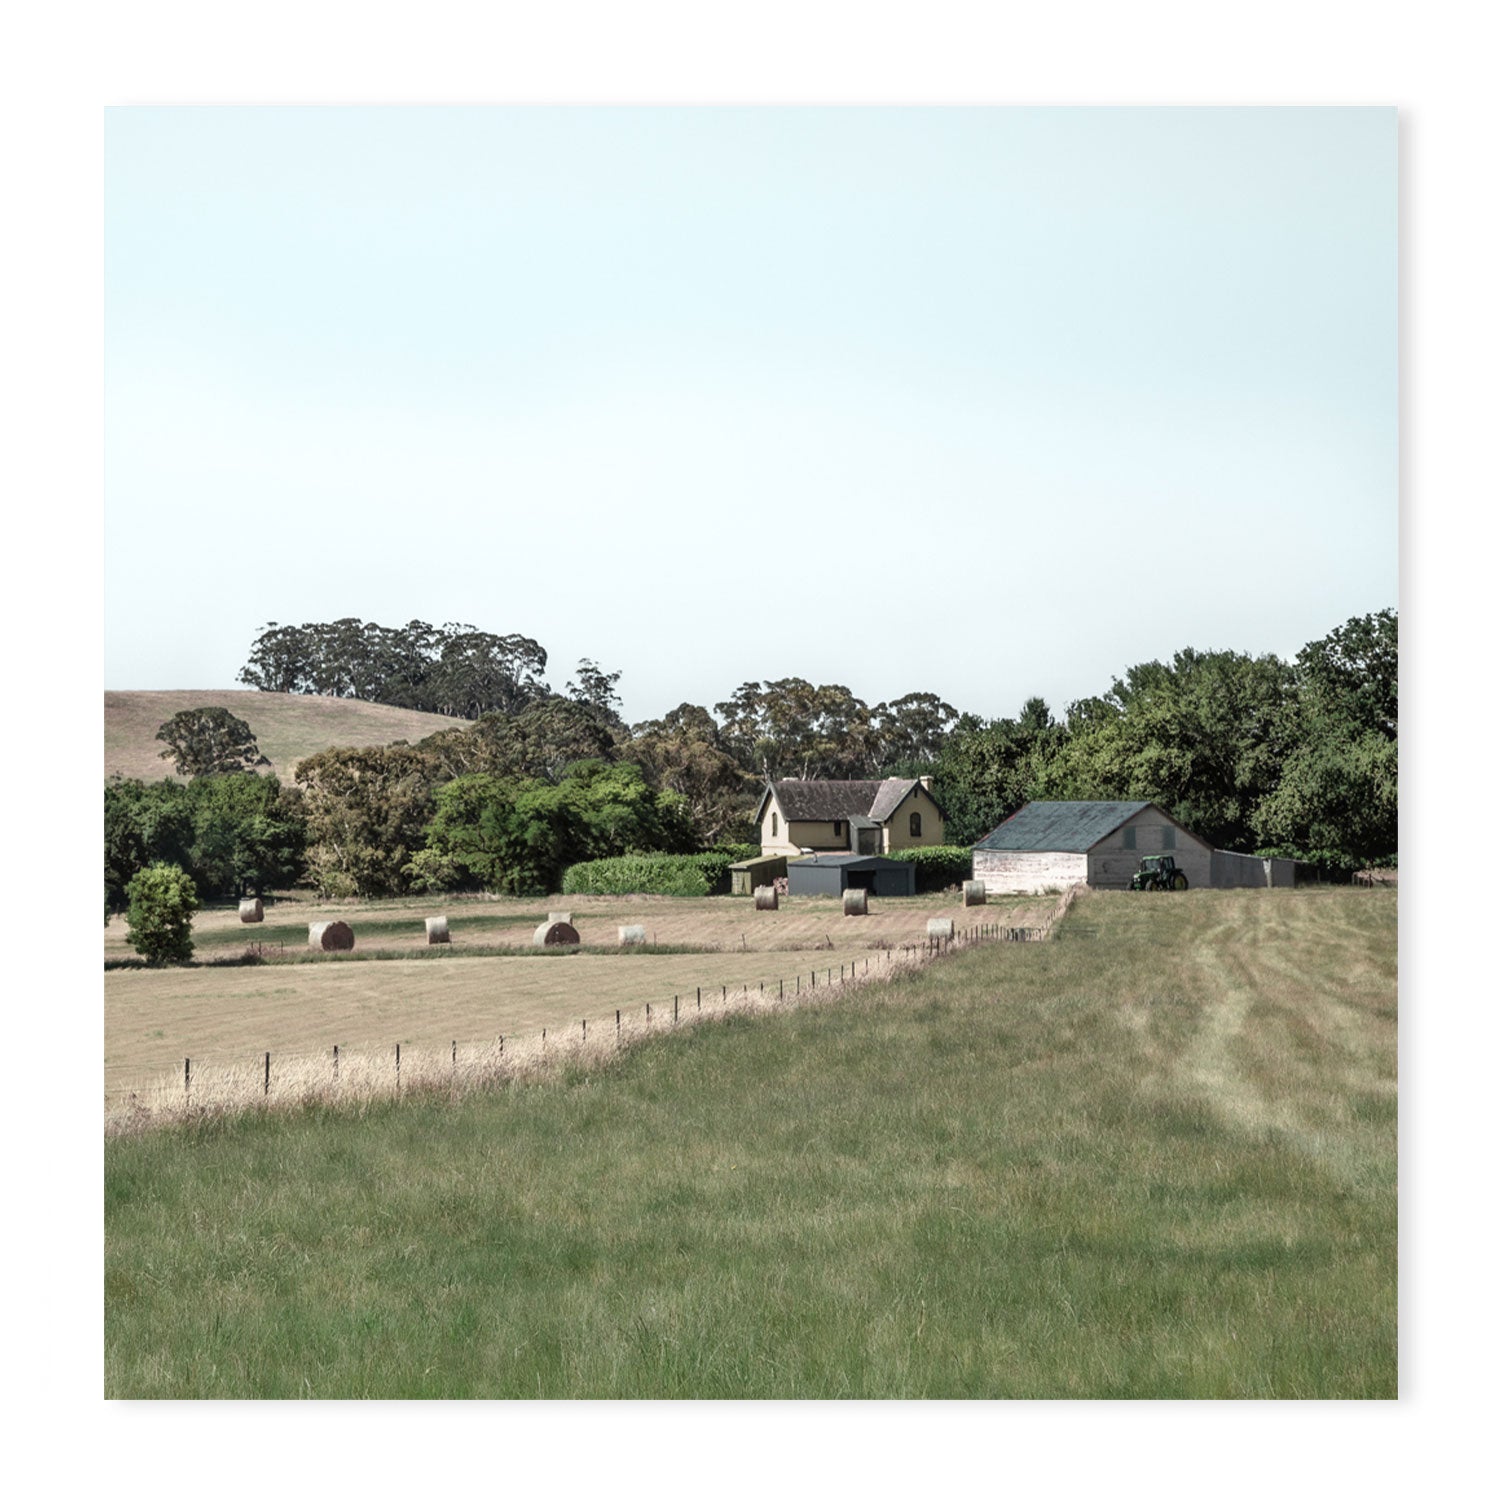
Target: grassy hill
x: 1153, y: 1158
x: 287, y: 726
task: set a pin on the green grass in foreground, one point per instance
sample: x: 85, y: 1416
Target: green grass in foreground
x: 1155, y: 1159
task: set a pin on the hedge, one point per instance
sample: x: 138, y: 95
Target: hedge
x: 938, y: 865
x: 654, y: 874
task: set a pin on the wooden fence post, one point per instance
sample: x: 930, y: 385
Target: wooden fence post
x: 187, y: 1076
x: 268, y: 1074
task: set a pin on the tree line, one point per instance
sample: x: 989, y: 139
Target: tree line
x: 1256, y: 754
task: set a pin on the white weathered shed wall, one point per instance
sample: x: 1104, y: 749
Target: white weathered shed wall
x: 1111, y: 864
x: 1004, y: 870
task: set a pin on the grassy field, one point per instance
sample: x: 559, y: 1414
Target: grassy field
x: 226, y: 1016
x: 1153, y: 1158
x: 287, y: 726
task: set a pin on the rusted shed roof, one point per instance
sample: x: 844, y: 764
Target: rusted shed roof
x: 1066, y: 827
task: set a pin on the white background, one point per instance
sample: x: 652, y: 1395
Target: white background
x: 64, y: 63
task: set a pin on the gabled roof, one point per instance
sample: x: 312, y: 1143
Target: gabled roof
x: 840, y: 801
x: 1066, y: 827
x: 891, y: 795
x: 825, y: 801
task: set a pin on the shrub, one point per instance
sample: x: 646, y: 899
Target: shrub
x: 162, y: 901
x: 938, y: 865
x: 652, y: 875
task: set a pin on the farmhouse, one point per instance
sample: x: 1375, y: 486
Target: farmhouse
x: 1101, y: 844
x: 848, y: 817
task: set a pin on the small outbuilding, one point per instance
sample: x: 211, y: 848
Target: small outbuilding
x: 833, y: 874
x: 1101, y: 844
x: 748, y: 874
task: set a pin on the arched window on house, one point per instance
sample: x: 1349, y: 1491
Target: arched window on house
x: 916, y: 825
x: 773, y: 825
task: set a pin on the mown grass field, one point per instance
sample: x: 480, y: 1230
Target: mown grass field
x: 1153, y: 1158
x: 288, y: 727
x: 470, y: 991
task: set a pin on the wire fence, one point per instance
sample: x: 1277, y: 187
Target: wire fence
x: 367, y: 1073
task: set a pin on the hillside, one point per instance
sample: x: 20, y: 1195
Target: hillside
x: 287, y: 726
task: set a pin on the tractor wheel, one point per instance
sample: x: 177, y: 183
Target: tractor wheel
x: 1179, y: 881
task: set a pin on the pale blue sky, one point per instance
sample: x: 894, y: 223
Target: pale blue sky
x: 985, y: 402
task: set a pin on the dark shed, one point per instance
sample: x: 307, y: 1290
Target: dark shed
x: 833, y: 874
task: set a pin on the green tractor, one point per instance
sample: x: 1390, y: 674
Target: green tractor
x: 1158, y: 872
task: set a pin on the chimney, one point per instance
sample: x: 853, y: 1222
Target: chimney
x: 926, y: 784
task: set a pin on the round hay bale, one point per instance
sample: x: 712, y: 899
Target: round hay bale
x: 766, y: 898
x: 632, y: 935
x: 940, y: 927
x: 555, y: 935
x: 974, y: 893
x: 330, y: 937
x: 437, y: 930
x: 251, y: 910
x: 856, y: 903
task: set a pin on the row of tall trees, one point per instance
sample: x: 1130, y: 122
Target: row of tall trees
x: 1256, y: 754
x: 448, y: 669
x: 234, y: 833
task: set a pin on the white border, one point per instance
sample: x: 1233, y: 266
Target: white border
x: 66, y: 62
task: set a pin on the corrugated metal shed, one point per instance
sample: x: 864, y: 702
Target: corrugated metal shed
x: 831, y: 874
x: 1064, y: 827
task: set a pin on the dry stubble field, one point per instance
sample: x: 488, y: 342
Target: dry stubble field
x: 230, y: 1016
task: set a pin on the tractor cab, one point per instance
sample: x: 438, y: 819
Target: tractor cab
x: 1158, y: 872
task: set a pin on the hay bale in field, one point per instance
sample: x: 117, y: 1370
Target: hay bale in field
x: 560, y: 916
x: 330, y: 937
x: 437, y: 930
x: 974, y: 894
x: 940, y: 927
x: 766, y: 898
x: 856, y: 903
x: 555, y: 935
x: 632, y: 935
x: 251, y: 910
